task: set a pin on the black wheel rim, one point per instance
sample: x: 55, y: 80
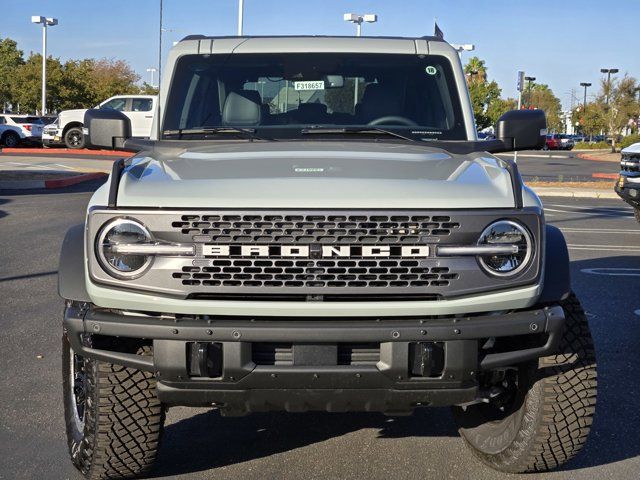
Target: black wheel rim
x: 74, y: 139
x: 11, y: 141
x: 78, y: 383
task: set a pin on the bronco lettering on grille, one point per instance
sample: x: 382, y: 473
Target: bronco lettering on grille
x: 316, y: 251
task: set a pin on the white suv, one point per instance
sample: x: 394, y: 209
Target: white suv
x: 16, y: 129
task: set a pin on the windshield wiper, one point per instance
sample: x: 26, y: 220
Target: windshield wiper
x: 367, y: 129
x: 250, y: 133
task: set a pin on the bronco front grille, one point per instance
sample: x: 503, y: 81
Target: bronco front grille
x: 630, y: 162
x: 338, y: 254
x: 370, y: 273
x: 322, y: 229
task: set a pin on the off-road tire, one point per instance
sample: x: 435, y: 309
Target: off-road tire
x: 123, y: 419
x: 10, y: 139
x: 74, y: 138
x: 636, y: 213
x: 549, y: 423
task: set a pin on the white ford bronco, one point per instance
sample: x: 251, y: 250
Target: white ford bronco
x: 314, y: 225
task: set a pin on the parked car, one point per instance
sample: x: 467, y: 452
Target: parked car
x: 17, y: 129
x: 50, y: 137
x: 628, y: 184
x: 69, y: 125
x: 566, y: 142
x: 552, y: 142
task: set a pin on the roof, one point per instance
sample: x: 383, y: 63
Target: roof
x: 209, y: 37
x: 200, y: 44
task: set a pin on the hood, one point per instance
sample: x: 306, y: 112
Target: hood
x: 313, y: 174
x: 77, y: 113
x: 634, y: 148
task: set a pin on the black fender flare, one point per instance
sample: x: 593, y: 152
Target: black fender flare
x: 71, y: 277
x: 557, y: 275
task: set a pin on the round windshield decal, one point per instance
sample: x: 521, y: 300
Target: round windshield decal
x: 431, y: 70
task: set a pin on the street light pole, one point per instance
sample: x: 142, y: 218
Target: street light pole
x: 46, y: 22
x: 530, y: 80
x: 609, y: 71
x: 358, y: 19
x: 152, y: 70
x: 584, y: 103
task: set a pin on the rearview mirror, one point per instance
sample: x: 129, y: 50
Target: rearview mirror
x: 522, y: 130
x: 106, y: 128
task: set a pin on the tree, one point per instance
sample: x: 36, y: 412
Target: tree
x: 542, y: 98
x: 623, y: 105
x: 590, y: 119
x: 475, y: 70
x: 27, y: 84
x: 499, y: 107
x: 483, y: 93
x: 148, y: 89
x: 10, y: 60
x: 114, y: 77
x: 77, y: 88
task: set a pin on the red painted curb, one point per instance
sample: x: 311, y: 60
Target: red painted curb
x: 586, y: 156
x: 65, y: 182
x: 66, y: 151
x: 608, y: 176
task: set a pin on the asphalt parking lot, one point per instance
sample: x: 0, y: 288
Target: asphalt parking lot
x: 605, y: 254
x: 534, y: 165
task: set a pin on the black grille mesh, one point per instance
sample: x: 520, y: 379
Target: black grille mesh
x: 249, y: 272
x: 630, y: 162
x: 322, y: 229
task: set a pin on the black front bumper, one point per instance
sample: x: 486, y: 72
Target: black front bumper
x: 389, y: 384
x: 628, y: 188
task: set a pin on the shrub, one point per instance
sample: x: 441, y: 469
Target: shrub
x: 628, y: 141
x: 592, y: 146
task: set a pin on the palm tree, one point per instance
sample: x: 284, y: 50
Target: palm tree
x: 476, y: 70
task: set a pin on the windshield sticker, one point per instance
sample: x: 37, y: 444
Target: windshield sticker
x: 309, y: 85
x: 431, y: 70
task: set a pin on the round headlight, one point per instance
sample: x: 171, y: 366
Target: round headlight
x: 506, y: 233
x: 117, y: 232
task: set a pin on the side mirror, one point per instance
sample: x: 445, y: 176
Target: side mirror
x: 522, y: 130
x: 106, y: 128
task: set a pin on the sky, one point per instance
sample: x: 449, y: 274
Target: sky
x: 561, y: 42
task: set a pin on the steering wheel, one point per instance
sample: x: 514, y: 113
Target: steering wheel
x: 393, y: 120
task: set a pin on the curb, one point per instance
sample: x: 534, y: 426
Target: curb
x: 586, y: 156
x: 587, y: 150
x: 49, y: 184
x: 607, y: 176
x: 66, y: 151
x: 574, y: 192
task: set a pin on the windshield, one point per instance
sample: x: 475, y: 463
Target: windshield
x: 25, y: 120
x: 286, y: 95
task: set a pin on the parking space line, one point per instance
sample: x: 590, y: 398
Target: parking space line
x: 604, y: 248
x: 63, y: 166
x: 613, y: 272
x: 622, y: 207
x: 620, y: 214
x: 600, y: 230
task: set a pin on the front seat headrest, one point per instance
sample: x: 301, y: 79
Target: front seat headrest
x: 242, y: 108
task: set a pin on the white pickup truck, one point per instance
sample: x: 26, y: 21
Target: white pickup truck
x: 67, y: 129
